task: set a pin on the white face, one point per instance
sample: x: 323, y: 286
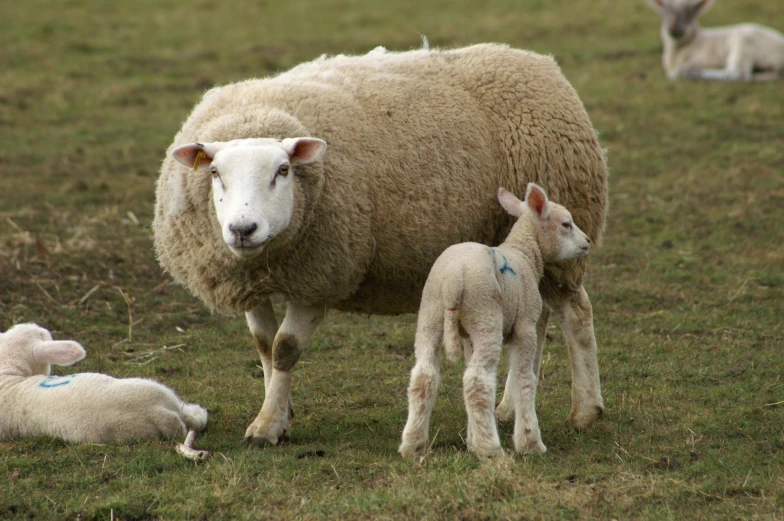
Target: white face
x: 678, y: 16
x: 570, y: 241
x: 252, y: 185
x: 253, y: 193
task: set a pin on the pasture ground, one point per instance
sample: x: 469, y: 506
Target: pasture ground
x: 687, y: 289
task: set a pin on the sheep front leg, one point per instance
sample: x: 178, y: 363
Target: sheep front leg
x: 505, y: 411
x: 576, y: 318
x: 263, y: 326
x: 274, y: 419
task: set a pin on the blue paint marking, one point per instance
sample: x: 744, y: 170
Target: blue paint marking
x: 56, y: 381
x: 506, y: 268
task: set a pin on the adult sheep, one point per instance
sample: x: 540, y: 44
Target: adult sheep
x: 250, y: 203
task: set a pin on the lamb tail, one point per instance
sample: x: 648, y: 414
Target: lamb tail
x: 194, y: 416
x: 452, y: 295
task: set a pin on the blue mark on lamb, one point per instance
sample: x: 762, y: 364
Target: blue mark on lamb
x: 56, y: 381
x: 506, y: 268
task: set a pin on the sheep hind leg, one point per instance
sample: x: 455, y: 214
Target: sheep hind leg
x: 274, y: 419
x: 522, y: 388
x: 505, y: 411
x: 422, y: 392
x: 479, y: 386
x: 576, y: 318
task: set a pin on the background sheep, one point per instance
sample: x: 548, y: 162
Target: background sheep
x: 418, y: 144
x: 736, y: 52
x: 82, y: 407
x: 492, y: 296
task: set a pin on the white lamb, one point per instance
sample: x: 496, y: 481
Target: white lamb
x: 83, y: 407
x: 490, y: 295
x: 736, y: 52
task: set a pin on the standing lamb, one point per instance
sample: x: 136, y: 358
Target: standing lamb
x: 490, y: 295
x: 82, y: 407
x: 736, y: 52
x: 250, y: 203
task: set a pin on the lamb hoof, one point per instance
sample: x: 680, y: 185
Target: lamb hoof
x: 413, y: 450
x: 488, y: 453
x: 532, y: 447
x: 504, y: 412
x: 581, y: 420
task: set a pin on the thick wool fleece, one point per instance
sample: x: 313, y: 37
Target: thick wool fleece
x: 418, y: 144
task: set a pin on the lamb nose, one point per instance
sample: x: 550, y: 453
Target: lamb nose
x: 243, y: 231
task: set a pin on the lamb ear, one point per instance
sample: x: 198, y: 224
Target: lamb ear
x: 511, y: 204
x: 304, y: 150
x: 59, y: 352
x: 196, y: 155
x: 536, y: 199
x: 702, y: 6
x: 657, y: 5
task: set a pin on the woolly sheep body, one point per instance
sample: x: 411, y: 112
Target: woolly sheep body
x: 83, y: 407
x: 418, y: 143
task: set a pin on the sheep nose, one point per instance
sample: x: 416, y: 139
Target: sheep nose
x: 588, y: 239
x: 243, y: 231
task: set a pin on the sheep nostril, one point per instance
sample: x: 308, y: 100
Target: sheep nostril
x: 243, y: 231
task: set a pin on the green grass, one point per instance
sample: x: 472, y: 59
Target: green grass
x: 688, y: 288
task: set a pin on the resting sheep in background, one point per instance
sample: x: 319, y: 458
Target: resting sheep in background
x: 490, y: 295
x: 250, y: 202
x: 736, y: 52
x: 83, y: 407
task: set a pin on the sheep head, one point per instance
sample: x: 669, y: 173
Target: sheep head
x: 679, y: 17
x: 252, y: 185
x: 558, y: 237
x: 28, y: 349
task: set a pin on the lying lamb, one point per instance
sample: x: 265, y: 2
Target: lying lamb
x: 736, y: 52
x: 492, y: 296
x: 83, y: 407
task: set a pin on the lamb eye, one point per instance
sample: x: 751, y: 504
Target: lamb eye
x: 567, y: 225
x: 214, y: 171
x: 283, y: 170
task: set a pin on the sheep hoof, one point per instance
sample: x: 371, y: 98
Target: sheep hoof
x: 487, y: 452
x: 504, y: 412
x: 259, y: 441
x: 193, y: 454
x: 413, y: 450
x: 580, y: 421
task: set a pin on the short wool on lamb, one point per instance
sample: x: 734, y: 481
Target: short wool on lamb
x: 83, y: 407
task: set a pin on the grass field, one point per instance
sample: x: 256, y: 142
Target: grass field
x: 688, y: 288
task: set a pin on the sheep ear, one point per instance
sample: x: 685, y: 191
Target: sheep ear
x: 537, y: 201
x: 511, y: 204
x: 304, y: 150
x: 59, y: 352
x: 702, y: 6
x: 657, y: 5
x: 196, y: 155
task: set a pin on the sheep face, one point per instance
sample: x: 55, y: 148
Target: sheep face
x: 28, y: 349
x: 679, y: 16
x: 558, y: 236
x: 252, y: 185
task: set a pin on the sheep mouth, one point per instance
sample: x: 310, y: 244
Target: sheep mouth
x: 247, y: 249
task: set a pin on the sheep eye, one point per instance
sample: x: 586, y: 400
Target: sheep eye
x: 214, y: 171
x: 567, y: 225
x: 283, y: 170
